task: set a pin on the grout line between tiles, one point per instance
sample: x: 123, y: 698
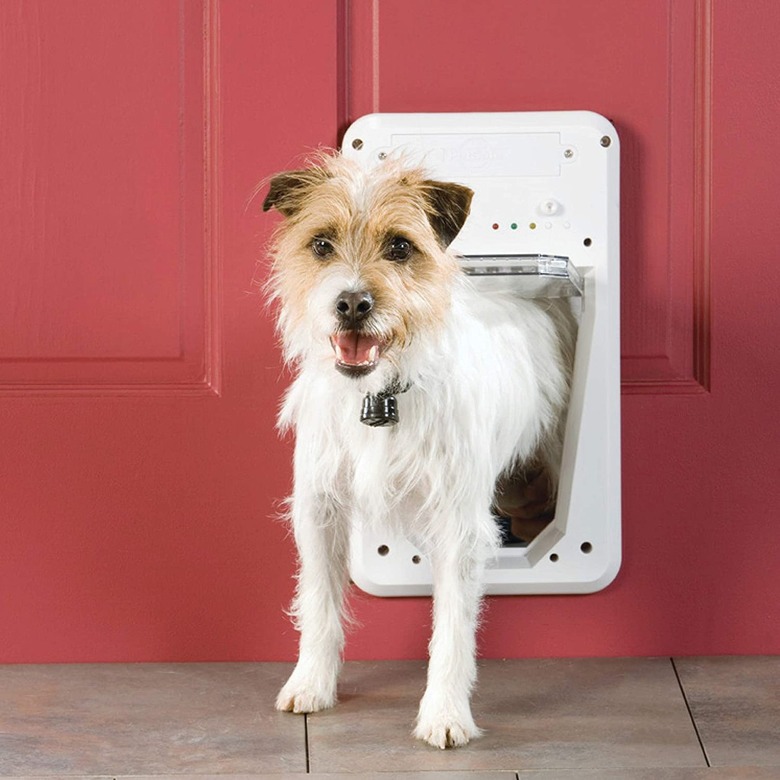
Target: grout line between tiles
x: 306, y: 741
x: 690, y: 713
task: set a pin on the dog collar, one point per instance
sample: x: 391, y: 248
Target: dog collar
x: 380, y: 410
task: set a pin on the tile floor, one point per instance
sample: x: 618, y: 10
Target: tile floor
x: 586, y: 719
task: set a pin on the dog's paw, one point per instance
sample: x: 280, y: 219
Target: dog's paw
x: 446, y: 729
x: 301, y: 696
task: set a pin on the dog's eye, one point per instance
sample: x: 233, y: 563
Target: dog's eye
x: 321, y: 246
x: 399, y: 249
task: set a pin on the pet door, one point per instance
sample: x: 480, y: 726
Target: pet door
x: 544, y: 221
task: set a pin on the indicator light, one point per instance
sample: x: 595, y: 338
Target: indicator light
x: 532, y: 226
x: 513, y: 226
x: 495, y: 226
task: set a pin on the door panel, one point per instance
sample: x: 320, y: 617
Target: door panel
x: 634, y: 62
x: 105, y: 194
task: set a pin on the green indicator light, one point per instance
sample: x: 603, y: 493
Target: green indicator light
x: 513, y: 226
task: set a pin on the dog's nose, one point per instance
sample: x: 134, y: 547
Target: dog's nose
x: 352, y: 307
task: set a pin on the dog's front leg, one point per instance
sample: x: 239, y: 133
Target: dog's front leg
x: 321, y: 535
x: 445, y: 719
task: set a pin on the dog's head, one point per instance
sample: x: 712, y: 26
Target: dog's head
x: 360, y: 262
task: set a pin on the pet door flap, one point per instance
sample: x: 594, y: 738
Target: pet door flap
x: 529, y: 276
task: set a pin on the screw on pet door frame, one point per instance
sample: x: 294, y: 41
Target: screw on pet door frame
x: 383, y: 549
x: 357, y: 143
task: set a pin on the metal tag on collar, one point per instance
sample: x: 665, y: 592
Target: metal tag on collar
x: 379, y: 410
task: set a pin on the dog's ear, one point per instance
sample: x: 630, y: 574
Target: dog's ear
x: 449, y: 206
x: 287, y: 191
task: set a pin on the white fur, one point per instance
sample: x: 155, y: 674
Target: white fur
x: 486, y: 391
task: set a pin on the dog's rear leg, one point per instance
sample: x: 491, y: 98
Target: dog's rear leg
x: 444, y: 719
x: 321, y: 534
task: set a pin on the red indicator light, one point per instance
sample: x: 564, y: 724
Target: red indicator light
x: 495, y: 226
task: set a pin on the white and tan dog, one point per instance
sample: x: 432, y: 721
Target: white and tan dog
x: 371, y: 302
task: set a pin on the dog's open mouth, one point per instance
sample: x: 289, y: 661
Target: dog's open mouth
x: 357, y: 354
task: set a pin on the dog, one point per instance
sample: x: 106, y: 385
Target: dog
x: 374, y: 311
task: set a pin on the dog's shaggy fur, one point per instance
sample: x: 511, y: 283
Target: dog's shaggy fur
x: 369, y: 297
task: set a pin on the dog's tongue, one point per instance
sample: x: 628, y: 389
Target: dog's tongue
x: 355, y: 349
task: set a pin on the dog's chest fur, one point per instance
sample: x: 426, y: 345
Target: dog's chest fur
x: 489, y: 383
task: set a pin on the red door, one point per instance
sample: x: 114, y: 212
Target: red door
x: 139, y: 376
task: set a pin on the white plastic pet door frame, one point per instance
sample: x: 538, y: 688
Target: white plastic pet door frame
x: 546, y: 195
